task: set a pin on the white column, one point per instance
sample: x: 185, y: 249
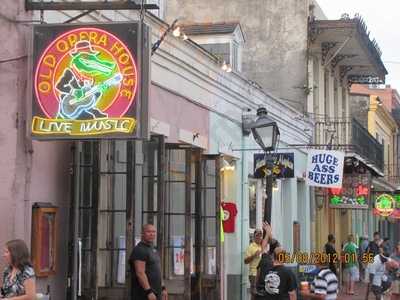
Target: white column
x: 347, y: 115
x: 321, y: 100
x: 340, y: 114
x: 306, y: 245
x: 310, y: 96
x: 331, y: 97
x: 289, y: 211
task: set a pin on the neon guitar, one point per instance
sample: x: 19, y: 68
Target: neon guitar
x: 78, y: 100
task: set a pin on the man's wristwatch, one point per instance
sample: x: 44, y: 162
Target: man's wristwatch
x: 148, y: 291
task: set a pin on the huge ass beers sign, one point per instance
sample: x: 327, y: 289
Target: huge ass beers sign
x: 85, y: 81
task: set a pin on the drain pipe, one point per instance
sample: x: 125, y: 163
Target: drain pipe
x: 242, y: 282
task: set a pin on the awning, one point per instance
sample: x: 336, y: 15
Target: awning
x: 381, y: 185
x: 372, y: 167
x: 346, y: 43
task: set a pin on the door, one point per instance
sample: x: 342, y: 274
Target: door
x: 209, y: 229
x: 100, y: 219
x: 83, y: 231
x: 191, y: 224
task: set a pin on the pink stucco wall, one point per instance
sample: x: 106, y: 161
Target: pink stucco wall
x: 178, y: 112
x: 30, y: 173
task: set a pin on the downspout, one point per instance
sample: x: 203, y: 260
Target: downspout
x: 242, y: 283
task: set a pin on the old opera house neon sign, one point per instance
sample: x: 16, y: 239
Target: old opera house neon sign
x: 85, y: 82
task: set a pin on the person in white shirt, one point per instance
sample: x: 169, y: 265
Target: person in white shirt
x: 380, y: 281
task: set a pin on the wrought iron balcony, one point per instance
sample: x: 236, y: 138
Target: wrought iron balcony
x: 351, y: 136
x: 366, y: 145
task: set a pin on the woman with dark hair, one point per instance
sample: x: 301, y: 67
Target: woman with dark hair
x: 19, y: 276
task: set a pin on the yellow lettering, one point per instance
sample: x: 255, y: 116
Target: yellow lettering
x: 46, y: 76
x: 72, y: 39
x: 44, y: 87
x: 83, y: 36
x: 128, y: 82
x: 93, y: 37
x: 50, y: 60
x: 117, y: 48
x: 123, y: 59
x: 62, y: 46
x: 103, y: 40
x: 126, y: 71
x: 126, y: 93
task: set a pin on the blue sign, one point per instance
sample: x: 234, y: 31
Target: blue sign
x: 282, y: 165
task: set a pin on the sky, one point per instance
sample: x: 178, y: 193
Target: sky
x: 383, y: 21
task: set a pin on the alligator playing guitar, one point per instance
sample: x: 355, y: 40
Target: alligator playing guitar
x: 78, y: 100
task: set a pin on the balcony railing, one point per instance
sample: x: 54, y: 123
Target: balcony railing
x: 366, y: 145
x: 350, y: 136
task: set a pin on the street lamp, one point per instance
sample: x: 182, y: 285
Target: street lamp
x: 265, y: 130
x: 266, y: 134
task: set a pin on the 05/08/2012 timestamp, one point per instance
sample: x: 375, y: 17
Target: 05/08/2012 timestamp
x: 315, y: 258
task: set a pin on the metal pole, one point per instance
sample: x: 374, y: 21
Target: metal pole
x: 268, y: 198
x: 268, y: 192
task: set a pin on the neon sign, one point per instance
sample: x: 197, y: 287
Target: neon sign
x: 337, y: 197
x: 85, y: 82
x: 385, y: 205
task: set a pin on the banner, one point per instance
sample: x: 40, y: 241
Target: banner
x: 283, y: 165
x: 85, y: 81
x: 325, y: 168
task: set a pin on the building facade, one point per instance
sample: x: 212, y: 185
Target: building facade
x: 105, y: 190
x: 310, y: 62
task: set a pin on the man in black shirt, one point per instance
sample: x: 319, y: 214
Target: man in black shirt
x: 146, y: 268
x: 331, y: 251
x: 373, y: 246
x: 275, y: 282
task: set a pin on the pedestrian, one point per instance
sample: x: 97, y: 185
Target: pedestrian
x: 146, y: 268
x: 387, y: 245
x: 350, y: 259
x: 362, y: 257
x: 253, y: 257
x: 19, y: 276
x: 276, y: 282
x: 373, y: 246
x: 324, y: 285
x: 331, y: 252
x: 378, y: 271
x: 395, y: 274
x: 373, y: 250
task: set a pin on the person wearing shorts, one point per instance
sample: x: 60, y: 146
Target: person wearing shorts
x: 350, y: 251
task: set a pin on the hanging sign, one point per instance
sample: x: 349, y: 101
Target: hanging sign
x: 354, y: 193
x: 283, y: 165
x: 385, y: 204
x: 85, y: 81
x: 325, y: 168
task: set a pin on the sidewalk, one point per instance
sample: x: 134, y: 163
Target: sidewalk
x: 360, y: 290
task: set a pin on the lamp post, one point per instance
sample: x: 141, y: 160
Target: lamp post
x: 266, y: 134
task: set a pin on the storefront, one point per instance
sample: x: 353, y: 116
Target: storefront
x: 121, y: 185
x: 139, y: 155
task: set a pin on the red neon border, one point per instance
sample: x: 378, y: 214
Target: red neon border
x: 71, y: 31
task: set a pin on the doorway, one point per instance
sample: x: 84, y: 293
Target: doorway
x: 117, y: 186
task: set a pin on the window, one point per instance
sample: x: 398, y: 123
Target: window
x: 235, y: 57
x: 221, y: 50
